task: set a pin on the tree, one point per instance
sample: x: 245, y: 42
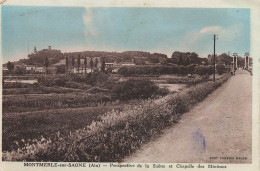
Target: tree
x: 78, y: 62
x: 85, y: 63
x: 96, y: 63
x: 135, y: 89
x: 46, y: 63
x: 67, y: 64
x: 10, y: 66
x: 73, y: 63
x: 220, y: 69
x: 20, y: 71
x: 91, y: 64
x: 187, y: 62
x: 103, y: 65
x: 180, y: 62
x: 61, y: 69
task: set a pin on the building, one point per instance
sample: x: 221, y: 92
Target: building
x: 5, y: 70
x: 30, y: 68
x: 40, y: 69
x: 35, y: 69
x: 128, y: 64
x: 80, y: 70
x: 109, y: 65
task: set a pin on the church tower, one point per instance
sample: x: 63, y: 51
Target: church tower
x: 35, y: 50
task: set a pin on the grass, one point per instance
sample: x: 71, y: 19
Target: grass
x: 118, y: 133
x: 35, y: 102
x: 39, y: 90
x: 31, y: 125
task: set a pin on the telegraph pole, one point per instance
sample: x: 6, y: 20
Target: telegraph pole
x: 214, y: 76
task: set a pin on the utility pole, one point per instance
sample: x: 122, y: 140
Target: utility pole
x: 214, y: 76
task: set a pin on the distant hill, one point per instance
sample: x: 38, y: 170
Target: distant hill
x: 55, y: 57
x: 127, y: 56
x: 38, y: 58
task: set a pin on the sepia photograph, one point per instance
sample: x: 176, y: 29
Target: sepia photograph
x: 126, y: 84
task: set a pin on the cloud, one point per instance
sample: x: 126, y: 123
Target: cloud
x: 87, y: 18
x: 230, y: 32
x: 199, y: 40
x: 211, y: 29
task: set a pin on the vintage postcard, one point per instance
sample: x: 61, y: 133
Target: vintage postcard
x: 130, y: 85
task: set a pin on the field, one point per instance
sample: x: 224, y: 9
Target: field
x: 33, y: 125
x: 51, y: 108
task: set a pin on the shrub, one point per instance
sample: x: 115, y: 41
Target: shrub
x: 50, y: 81
x: 182, y: 70
x: 135, y: 89
x: 158, y: 70
x: 203, y: 70
x: 220, y: 69
x: 191, y: 68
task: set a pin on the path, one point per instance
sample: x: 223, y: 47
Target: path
x: 220, y: 126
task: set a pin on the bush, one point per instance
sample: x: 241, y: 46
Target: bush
x: 159, y: 70
x: 135, y: 89
x: 191, y: 68
x: 50, y: 81
x: 220, y: 69
x: 182, y: 70
x: 203, y: 70
x: 118, y: 133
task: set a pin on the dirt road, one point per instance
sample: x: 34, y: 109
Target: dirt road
x: 217, y: 128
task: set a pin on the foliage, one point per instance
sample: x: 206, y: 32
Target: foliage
x: 96, y: 63
x: 19, y: 71
x: 61, y: 69
x: 91, y: 64
x: 39, y: 58
x: 56, y: 80
x: 38, y: 90
x: 185, y: 58
x: 160, y: 70
x: 118, y: 133
x: 35, y: 124
x: 220, y: 69
x: 103, y: 65
x: 180, y: 62
x: 191, y: 68
x: 135, y: 89
x: 204, y: 70
x: 67, y: 62
x: 33, y: 102
x: 73, y: 61
x: 46, y: 62
x: 10, y: 66
x: 78, y: 61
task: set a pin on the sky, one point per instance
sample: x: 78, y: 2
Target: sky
x: 161, y: 30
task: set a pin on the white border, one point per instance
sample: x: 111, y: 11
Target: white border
x: 254, y: 6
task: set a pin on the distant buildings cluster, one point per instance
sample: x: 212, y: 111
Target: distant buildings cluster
x: 53, y: 61
x: 62, y: 63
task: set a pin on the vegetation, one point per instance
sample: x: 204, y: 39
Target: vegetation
x: 10, y: 66
x: 39, y: 58
x: 118, y: 133
x: 135, y: 89
x: 82, y: 108
x: 33, y: 125
x: 33, y: 102
x: 220, y: 69
x: 159, y: 70
x: 39, y: 90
